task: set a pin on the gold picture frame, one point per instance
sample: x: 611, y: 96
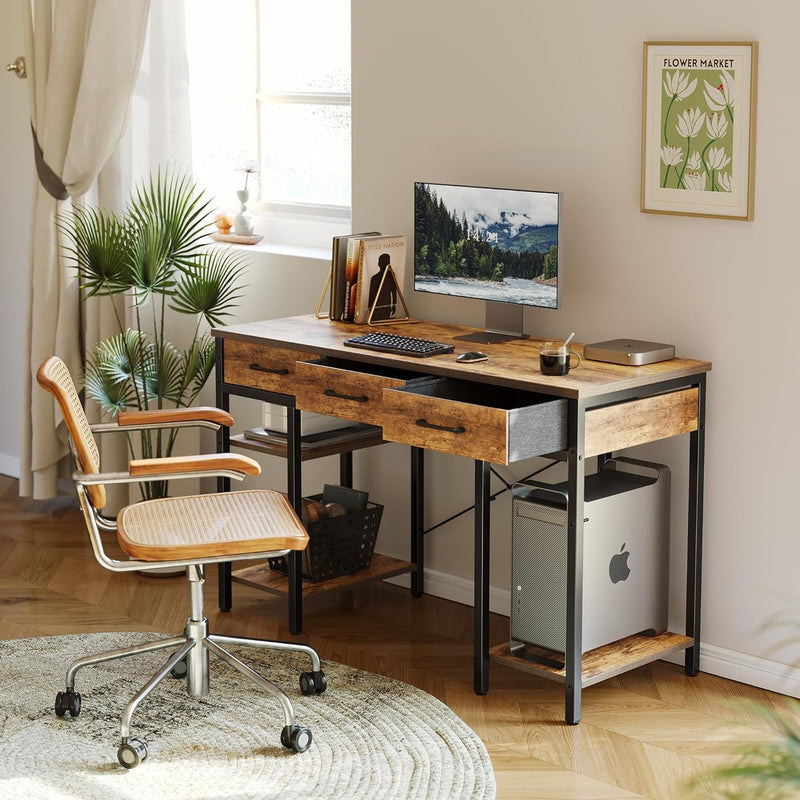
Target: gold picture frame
x: 699, y: 128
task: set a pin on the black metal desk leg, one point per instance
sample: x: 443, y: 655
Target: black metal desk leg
x: 346, y: 469
x: 294, y: 481
x: 224, y: 585
x: 418, y: 520
x: 481, y: 566
x: 574, y: 651
x: 694, y: 547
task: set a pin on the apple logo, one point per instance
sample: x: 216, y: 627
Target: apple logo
x: 618, y: 569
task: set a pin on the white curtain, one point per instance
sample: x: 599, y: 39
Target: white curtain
x: 83, y: 60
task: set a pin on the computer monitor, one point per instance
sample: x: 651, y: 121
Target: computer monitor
x: 497, y: 245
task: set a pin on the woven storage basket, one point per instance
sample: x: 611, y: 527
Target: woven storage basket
x: 337, y: 545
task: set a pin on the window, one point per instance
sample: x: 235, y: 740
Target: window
x: 270, y: 88
x: 304, y: 101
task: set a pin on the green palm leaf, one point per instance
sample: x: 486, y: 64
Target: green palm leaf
x: 165, y: 373
x: 125, y: 359
x: 103, y: 384
x: 769, y: 771
x: 210, y: 286
x: 151, y: 268
x: 173, y: 204
x: 99, y: 245
x: 199, y: 359
x: 110, y: 395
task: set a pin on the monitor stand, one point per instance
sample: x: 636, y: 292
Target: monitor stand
x: 503, y: 323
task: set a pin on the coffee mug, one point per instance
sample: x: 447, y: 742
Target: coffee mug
x: 554, y: 358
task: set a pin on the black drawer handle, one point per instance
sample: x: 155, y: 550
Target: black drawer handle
x: 355, y: 398
x: 259, y: 368
x: 423, y: 423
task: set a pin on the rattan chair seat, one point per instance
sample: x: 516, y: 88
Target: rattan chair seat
x: 200, y: 526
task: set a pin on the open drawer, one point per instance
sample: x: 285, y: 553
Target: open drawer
x: 477, y: 420
x: 343, y: 389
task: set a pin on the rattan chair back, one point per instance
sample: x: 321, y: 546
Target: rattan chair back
x: 54, y: 376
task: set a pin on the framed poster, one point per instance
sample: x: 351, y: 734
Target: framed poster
x: 698, y: 128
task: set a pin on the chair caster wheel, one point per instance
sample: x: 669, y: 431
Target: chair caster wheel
x: 296, y: 737
x: 68, y: 701
x: 313, y: 682
x: 131, y: 753
x: 179, y: 670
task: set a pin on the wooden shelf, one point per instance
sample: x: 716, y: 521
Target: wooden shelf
x: 260, y: 576
x: 312, y: 450
x: 601, y: 663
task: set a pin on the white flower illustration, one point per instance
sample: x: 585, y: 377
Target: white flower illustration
x: 716, y: 126
x: 690, y: 122
x: 720, y: 97
x: 678, y: 85
x: 696, y: 181
x: 724, y: 181
x: 716, y: 158
x: 671, y: 155
x: 695, y: 162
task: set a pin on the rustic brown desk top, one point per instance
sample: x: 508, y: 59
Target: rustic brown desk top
x: 514, y: 364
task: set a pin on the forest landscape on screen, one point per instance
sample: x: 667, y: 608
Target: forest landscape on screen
x: 487, y: 244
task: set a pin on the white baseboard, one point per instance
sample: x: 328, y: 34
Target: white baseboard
x: 9, y: 465
x: 459, y: 590
x: 741, y: 667
x: 744, y: 668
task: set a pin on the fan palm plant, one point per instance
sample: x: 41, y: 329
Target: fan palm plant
x: 154, y: 256
x: 767, y: 771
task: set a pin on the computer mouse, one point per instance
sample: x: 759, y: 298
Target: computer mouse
x: 472, y: 355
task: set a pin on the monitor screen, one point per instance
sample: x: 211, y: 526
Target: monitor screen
x: 490, y: 244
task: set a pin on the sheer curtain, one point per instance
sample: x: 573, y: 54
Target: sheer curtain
x: 93, y: 64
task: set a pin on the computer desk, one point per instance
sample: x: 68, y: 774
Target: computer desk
x: 497, y: 411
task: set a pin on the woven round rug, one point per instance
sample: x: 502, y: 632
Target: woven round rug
x: 373, y: 737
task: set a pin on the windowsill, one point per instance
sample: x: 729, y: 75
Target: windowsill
x: 284, y: 249
x: 295, y: 234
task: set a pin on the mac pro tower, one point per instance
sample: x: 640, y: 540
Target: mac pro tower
x: 625, y: 558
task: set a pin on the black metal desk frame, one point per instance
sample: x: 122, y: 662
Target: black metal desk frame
x: 574, y: 456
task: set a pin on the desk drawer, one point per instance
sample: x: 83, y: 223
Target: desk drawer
x: 261, y: 366
x: 346, y: 390
x: 475, y: 420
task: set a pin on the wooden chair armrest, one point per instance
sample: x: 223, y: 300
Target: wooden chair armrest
x: 208, y: 462
x: 160, y: 416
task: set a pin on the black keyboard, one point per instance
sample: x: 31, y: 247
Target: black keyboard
x: 404, y: 345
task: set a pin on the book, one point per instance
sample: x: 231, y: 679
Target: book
x: 338, y: 264
x: 350, y: 277
x: 353, y: 500
x: 381, y: 271
x: 351, y: 272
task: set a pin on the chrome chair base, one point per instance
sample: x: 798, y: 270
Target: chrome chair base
x: 190, y: 660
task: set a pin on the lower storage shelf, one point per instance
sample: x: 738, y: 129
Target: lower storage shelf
x: 260, y: 576
x: 599, y: 664
x: 356, y: 437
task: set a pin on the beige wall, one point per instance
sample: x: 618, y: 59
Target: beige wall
x: 535, y: 94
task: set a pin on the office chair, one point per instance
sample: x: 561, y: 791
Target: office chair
x: 176, y: 532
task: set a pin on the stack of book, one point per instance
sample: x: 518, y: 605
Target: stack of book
x: 367, y: 272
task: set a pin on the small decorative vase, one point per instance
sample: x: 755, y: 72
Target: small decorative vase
x: 243, y: 221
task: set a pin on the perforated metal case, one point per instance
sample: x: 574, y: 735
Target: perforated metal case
x: 625, y: 511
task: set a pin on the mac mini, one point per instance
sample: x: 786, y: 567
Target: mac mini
x: 632, y: 352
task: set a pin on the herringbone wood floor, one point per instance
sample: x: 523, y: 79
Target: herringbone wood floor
x: 642, y: 734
